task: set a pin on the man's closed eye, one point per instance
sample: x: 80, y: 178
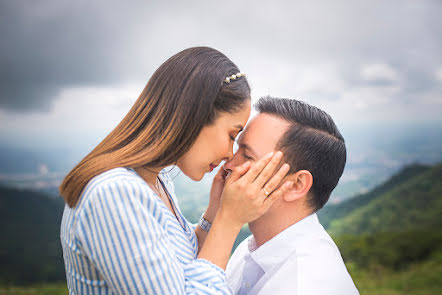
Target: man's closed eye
x: 246, y: 156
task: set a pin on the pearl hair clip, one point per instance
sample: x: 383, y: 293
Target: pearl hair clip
x: 233, y: 77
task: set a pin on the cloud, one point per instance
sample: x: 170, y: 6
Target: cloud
x: 379, y: 73
x: 51, y: 45
x: 351, y: 56
x: 80, y: 116
x: 438, y: 75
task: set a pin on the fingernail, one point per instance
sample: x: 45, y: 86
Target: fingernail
x: 285, y: 166
x: 269, y: 155
x: 246, y: 164
x: 279, y: 154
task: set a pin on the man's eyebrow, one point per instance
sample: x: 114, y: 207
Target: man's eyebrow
x: 249, y: 148
x: 240, y: 127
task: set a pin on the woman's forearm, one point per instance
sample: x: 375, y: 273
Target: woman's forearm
x: 201, y: 235
x: 218, y: 242
x: 209, y: 215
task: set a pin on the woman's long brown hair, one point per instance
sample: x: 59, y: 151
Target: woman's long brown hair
x: 184, y: 94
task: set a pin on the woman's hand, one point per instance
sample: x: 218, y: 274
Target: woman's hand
x: 243, y: 200
x: 249, y: 193
x: 215, y: 194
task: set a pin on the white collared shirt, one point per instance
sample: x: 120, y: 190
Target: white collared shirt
x: 301, y: 260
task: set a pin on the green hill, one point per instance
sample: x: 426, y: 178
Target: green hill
x: 337, y: 211
x: 30, y: 249
x: 395, y: 226
x: 413, y: 203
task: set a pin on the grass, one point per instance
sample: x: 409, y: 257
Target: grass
x: 422, y: 279
x: 43, y: 289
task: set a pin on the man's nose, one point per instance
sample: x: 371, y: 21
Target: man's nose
x: 228, y: 171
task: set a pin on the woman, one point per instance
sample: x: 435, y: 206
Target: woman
x: 122, y: 231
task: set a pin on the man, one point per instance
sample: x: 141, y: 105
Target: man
x: 289, y: 251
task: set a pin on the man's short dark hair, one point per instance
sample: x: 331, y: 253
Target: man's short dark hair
x: 312, y: 142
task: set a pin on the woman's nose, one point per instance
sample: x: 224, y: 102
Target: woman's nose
x: 229, y: 155
x: 228, y: 166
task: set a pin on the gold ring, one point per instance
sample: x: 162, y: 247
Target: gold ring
x: 266, y: 192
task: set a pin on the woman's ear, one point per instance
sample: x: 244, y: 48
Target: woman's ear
x: 302, y: 182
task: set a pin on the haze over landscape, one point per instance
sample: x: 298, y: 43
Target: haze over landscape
x: 71, y: 70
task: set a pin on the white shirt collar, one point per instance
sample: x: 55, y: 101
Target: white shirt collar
x: 286, y: 242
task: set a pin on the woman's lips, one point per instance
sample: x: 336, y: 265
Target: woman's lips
x: 212, y: 166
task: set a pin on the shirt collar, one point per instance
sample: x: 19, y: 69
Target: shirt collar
x: 281, y: 246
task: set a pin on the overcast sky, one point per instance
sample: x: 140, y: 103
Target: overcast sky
x: 70, y: 70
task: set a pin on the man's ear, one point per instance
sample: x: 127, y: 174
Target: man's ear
x: 302, y: 182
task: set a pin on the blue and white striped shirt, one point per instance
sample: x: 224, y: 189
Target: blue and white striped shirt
x: 122, y: 239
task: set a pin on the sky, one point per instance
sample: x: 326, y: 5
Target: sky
x: 70, y: 70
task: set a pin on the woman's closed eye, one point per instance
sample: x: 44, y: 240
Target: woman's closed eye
x: 234, y: 136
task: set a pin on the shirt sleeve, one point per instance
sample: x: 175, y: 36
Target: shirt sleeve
x: 119, y: 231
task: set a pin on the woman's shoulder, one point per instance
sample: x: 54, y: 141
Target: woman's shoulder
x: 114, y: 181
x: 114, y: 176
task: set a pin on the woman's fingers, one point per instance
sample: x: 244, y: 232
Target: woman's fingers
x: 277, y: 194
x: 268, y: 171
x: 274, y: 182
x: 220, y: 175
x: 257, y: 168
x: 239, y: 171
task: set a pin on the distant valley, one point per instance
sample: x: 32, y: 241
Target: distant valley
x: 375, y: 153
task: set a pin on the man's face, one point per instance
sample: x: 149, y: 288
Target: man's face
x: 259, y: 138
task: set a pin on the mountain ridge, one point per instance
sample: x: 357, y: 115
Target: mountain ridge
x: 340, y: 210
x: 414, y: 203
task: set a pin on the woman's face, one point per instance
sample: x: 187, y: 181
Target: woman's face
x: 214, y: 144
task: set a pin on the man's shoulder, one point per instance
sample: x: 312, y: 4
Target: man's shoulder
x: 320, y: 265
x: 317, y: 240
x: 318, y: 248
